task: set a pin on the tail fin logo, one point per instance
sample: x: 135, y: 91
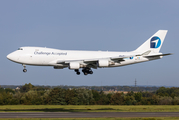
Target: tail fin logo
x: 155, y: 42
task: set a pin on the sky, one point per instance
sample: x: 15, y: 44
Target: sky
x: 112, y: 25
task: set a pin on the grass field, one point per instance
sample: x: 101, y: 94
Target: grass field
x: 89, y: 108
x: 158, y: 118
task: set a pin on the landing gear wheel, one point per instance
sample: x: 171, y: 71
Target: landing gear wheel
x: 24, y: 70
x: 78, y: 73
x: 85, y: 73
x: 91, y: 72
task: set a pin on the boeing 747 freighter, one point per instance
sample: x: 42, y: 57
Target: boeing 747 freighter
x: 74, y: 60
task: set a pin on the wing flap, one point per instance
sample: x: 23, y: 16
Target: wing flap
x: 94, y: 61
x: 91, y: 61
x: 60, y: 62
x: 121, y: 58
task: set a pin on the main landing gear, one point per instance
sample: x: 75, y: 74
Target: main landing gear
x: 24, y: 70
x: 87, y: 71
x: 77, y: 72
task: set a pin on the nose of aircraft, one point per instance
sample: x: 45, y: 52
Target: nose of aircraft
x: 11, y: 56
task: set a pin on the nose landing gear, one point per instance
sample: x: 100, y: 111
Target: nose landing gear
x: 24, y: 70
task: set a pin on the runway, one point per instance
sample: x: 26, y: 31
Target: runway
x: 85, y: 114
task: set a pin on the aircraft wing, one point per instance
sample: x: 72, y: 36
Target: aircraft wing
x: 94, y: 61
x: 109, y: 58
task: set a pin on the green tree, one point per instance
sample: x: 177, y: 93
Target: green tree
x: 175, y: 101
x: 117, y: 99
x: 16, y: 98
x: 26, y: 87
x: 6, y: 98
x: 172, y: 92
x: 1, y: 99
x: 46, y: 96
x: 57, y: 97
x: 71, y: 97
x: 138, y: 96
x: 131, y: 93
x: 84, y: 96
x: 165, y: 100
x: 129, y: 100
x: 31, y: 98
x: 96, y: 95
x: 10, y: 90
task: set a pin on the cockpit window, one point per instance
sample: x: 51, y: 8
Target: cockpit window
x: 20, y: 49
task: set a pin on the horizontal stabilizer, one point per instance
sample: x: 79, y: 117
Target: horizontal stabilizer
x: 158, y: 55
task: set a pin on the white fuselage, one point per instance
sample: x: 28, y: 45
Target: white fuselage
x: 40, y: 56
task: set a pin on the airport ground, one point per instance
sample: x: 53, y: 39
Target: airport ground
x: 150, y: 118
x: 89, y: 112
x: 89, y: 108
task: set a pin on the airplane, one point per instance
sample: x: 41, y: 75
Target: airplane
x: 74, y: 60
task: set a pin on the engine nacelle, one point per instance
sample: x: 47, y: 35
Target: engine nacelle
x: 103, y: 63
x: 74, y: 65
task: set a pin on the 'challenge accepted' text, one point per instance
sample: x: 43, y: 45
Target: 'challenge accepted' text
x: 49, y: 53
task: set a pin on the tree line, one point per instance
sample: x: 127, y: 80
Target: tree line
x: 33, y: 95
x: 98, y: 88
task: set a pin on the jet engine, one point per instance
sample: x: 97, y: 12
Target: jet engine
x: 103, y: 63
x: 74, y: 65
